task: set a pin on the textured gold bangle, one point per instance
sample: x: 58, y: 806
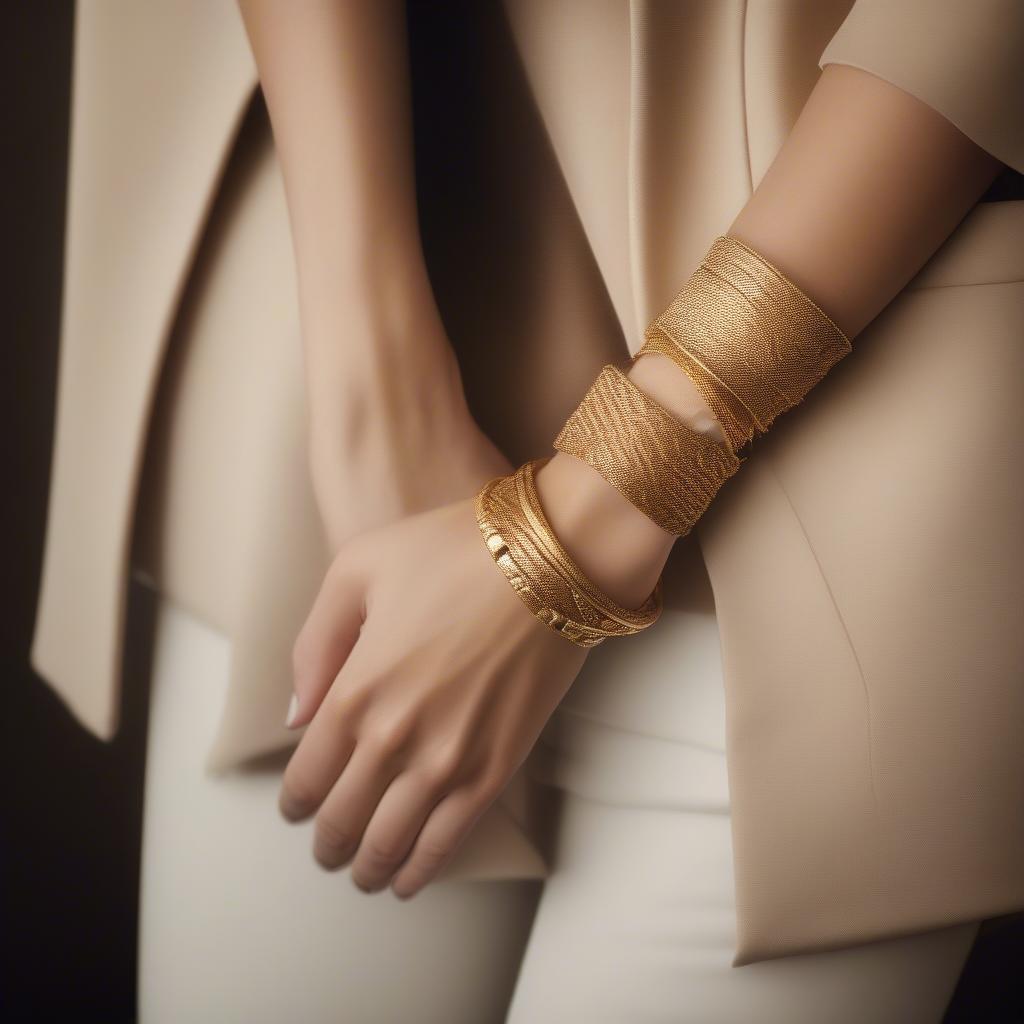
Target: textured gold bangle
x: 615, y: 618
x: 752, y: 342
x: 665, y: 468
x: 730, y: 412
x: 541, y: 571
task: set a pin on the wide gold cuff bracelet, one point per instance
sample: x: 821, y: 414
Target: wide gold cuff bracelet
x: 541, y: 571
x: 665, y: 468
x: 752, y: 342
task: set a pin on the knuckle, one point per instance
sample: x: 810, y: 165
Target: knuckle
x: 346, y: 708
x: 382, y: 851
x: 490, y: 785
x: 332, y: 836
x: 434, y: 851
x: 445, y: 764
x: 391, y: 736
x: 431, y: 854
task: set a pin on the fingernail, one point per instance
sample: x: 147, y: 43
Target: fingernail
x: 293, y: 707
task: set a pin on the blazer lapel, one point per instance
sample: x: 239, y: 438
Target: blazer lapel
x: 158, y: 93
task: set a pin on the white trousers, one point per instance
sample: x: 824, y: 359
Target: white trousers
x: 635, y: 924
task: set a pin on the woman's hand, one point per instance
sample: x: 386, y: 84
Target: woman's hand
x: 425, y: 681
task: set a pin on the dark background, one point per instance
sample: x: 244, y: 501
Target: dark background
x: 72, y: 813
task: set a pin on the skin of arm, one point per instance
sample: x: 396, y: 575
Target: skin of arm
x: 388, y: 416
x: 423, y: 679
x: 868, y: 185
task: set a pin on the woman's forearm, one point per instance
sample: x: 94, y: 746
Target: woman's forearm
x: 336, y: 81
x: 388, y: 415
x: 869, y: 184
x: 866, y: 187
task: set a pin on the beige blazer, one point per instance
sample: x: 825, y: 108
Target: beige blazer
x: 867, y: 564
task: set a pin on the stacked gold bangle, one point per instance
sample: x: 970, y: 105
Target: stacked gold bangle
x: 666, y: 469
x: 753, y: 344
x: 541, y: 571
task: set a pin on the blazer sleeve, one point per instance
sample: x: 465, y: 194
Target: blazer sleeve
x: 964, y: 58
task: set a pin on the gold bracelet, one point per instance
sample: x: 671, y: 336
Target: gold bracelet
x: 665, y: 468
x: 734, y: 417
x: 752, y: 342
x: 540, y: 570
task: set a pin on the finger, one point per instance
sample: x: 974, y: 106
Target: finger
x: 318, y: 761
x: 326, y: 638
x: 342, y: 820
x: 447, y: 826
x: 393, y: 829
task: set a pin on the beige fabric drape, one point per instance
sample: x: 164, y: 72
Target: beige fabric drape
x: 866, y: 564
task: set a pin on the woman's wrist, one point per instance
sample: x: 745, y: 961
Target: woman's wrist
x: 364, y: 296
x: 388, y: 418
x: 375, y: 347
x: 608, y: 537
x: 390, y: 400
